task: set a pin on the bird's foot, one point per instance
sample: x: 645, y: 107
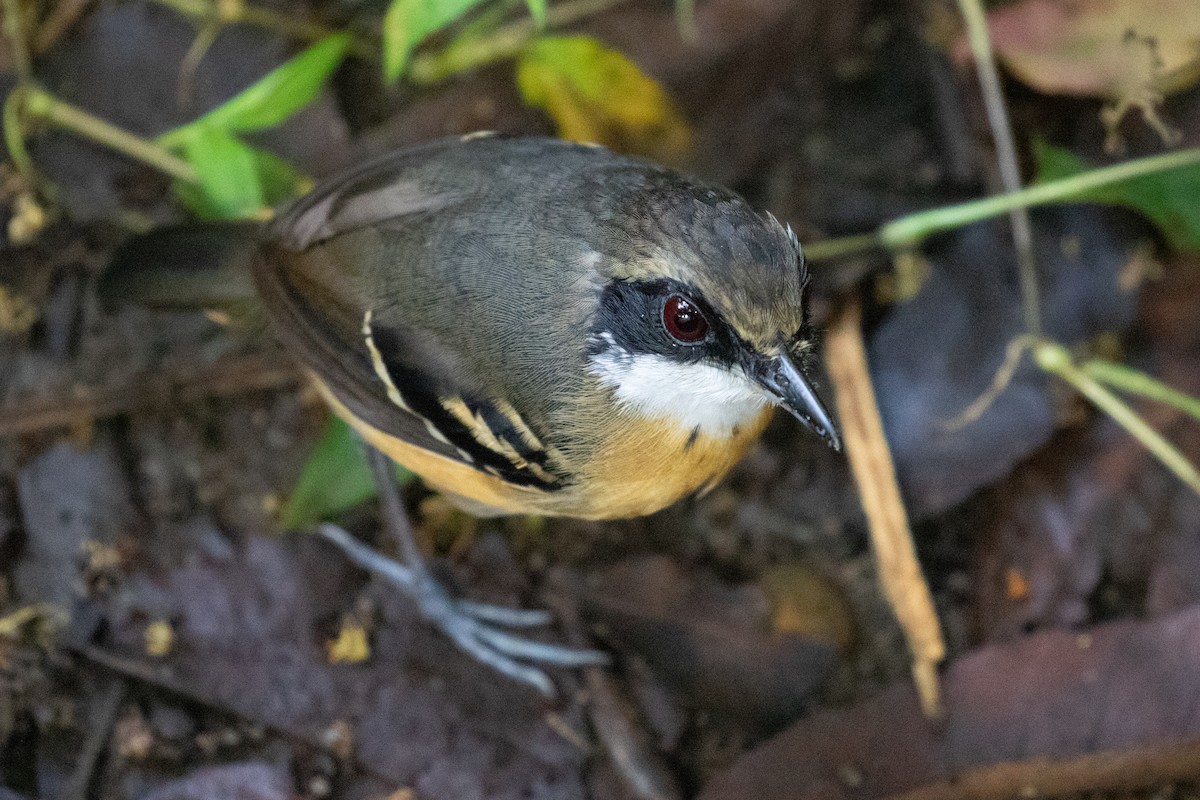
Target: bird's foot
x: 476, y: 628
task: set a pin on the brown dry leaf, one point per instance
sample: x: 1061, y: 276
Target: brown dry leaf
x: 707, y: 639
x: 1054, y: 714
x: 806, y: 602
x: 1098, y: 48
x: 596, y: 94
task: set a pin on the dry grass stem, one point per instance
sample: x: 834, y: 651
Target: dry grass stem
x: 874, y: 472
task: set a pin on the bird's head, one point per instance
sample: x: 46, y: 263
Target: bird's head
x: 702, y: 317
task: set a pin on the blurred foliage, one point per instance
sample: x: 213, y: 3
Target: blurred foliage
x: 335, y: 478
x: 596, y: 94
x: 1167, y: 198
x: 235, y: 179
x: 408, y: 22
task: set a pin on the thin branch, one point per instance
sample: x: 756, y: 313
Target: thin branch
x: 875, y: 475
x: 841, y: 247
x: 293, y: 27
x: 154, y: 391
x: 1006, y: 157
x: 14, y: 30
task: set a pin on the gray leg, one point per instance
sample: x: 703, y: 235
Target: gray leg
x: 475, y: 627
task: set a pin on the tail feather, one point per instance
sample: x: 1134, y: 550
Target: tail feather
x: 187, y: 266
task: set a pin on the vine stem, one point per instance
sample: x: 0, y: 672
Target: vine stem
x: 910, y: 231
x: 14, y: 30
x: 1054, y: 358
x: 226, y: 12
x: 40, y: 104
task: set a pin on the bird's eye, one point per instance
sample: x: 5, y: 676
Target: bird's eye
x: 684, y: 320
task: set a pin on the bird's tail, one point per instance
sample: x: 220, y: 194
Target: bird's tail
x: 192, y: 266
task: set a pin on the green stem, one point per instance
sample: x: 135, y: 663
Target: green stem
x: 502, y: 43
x: 14, y: 135
x: 287, y: 25
x: 1054, y: 358
x: 1137, y: 382
x: 685, y: 19
x: 829, y: 249
x: 43, y: 105
x: 14, y: 30
x: 911, y: 230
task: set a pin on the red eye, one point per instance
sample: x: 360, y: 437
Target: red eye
x: 684, y: 320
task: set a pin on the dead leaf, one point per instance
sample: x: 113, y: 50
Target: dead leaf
x: 806, y: 602
x: 1097, y: 48
x: 597, y: 95
x: 1042, y: 705
x: 709, y: 640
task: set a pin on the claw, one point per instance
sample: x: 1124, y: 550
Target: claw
x: 476, y: 628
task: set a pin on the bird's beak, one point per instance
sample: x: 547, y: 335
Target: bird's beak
x: 783, y: 379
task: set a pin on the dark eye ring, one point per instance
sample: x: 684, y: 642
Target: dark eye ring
x: 684, y: 320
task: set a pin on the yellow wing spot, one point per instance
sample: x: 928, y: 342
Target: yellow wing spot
x: 541, y: 473
x: 377, y: 362
x: 481, y: 432
x: 518, y: 423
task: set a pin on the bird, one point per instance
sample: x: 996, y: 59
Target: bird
x: 536, y: 326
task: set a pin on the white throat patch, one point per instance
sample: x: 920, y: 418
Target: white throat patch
x: 713, y: 399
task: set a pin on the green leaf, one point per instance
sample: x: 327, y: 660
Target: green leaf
x: 229, y: 186
x: 596, y: 94
x: 335, y: 479
x: 408, y: 22
x: 276, y: 96
x: 280, y: 180
x: 1168, y: 198
x: 537, y: 10
x: 236, y: 180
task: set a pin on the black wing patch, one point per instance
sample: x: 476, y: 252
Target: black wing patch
x: 487, y: 433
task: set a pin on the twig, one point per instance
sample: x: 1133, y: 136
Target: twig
x: 153, y: 391
x: 614, y: 717
x: 100, y: 724
x: 1137, y: 382
x: 875, y: 474
x: 1116, y: 772
x: 1000, y: 381
x: 1006, y: 157
x: 913, y: 229
x: 234, y: 12
x: 64, y: 14
x: 828, y: 249
x: 14, y: 30
x: 163, y: 678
